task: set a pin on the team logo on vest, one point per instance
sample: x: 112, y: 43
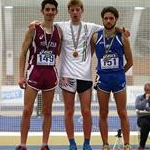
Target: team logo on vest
x: 52, y: 44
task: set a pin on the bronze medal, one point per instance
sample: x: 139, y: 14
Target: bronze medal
x: 75, y: 53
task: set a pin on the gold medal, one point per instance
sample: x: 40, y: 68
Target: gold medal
x: 75, y: 41
x: 75, y: 53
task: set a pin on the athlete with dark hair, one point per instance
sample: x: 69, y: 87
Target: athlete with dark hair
x: 111, y: 47
x: 43, y: 44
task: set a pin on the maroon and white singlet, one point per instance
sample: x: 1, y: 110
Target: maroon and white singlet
x: 41, y: 71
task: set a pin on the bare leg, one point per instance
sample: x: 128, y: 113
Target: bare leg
x: 120, y: 99
x: 47, y: 98
x: 85, y: 100
x: 103, y: 99
x: 29, y: 98
x: 68, y: 98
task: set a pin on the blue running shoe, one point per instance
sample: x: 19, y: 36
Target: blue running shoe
x: 87, y: 147
x: 72, y: 147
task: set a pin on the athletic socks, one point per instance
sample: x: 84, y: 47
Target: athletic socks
x: 72, y: 142
x: 86, y: 141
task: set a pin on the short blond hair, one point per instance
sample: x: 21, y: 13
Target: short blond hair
x: 75, y: 2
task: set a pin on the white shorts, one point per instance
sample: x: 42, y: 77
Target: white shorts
x: 73, y: 85
x: 68, y: 84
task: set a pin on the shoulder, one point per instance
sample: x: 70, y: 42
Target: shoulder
x: 118, y: 34
x: 119, y: 37
x: 62, y: 23
x: 59, y: 30
x: 98, y: 33
x: 29, y: 33
x: 57, y: 27
x: 95, y: 37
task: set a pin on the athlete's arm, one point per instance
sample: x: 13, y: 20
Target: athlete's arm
x: 22, y: 60
x: 96, y: 27
x: 93, y: 43
x: 128, y: 53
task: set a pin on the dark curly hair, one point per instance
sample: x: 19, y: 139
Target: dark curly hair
x: 44, y: 2
x: 111, y: 9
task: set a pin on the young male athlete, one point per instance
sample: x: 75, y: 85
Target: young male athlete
x: 43, y: 44
x: 111, y: 47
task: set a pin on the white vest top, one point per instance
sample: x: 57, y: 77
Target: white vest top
x: 76, y: 67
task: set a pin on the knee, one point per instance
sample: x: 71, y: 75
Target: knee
x: 122, y: 114
x: 69, y: 113
x: 86, y: 113
x: 103, y: 114
x: 47, y: 112
x: 27, y: 112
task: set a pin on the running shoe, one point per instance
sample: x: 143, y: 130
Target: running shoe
x: 106, y: 147
x: 45, y: 147
x: 87, y: 147
x: 20, y: 148
x: 72, y: 147
x: 127, y: 147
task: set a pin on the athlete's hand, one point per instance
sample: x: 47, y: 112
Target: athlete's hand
x: 22, y: 83
x: 33, y: 24
x: 124, y: 31
x: 64, y: 81
x: 147, y: 96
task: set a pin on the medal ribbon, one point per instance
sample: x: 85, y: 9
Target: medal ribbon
x: 47, y: 43
x: 85, y: 43
x: 109, y: 46
x: 75, y: 42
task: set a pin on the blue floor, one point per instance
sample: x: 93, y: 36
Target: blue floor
x: 12, y: 124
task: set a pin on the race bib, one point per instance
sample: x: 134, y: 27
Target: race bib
x: 111, y: 63
x: 46, y: 59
